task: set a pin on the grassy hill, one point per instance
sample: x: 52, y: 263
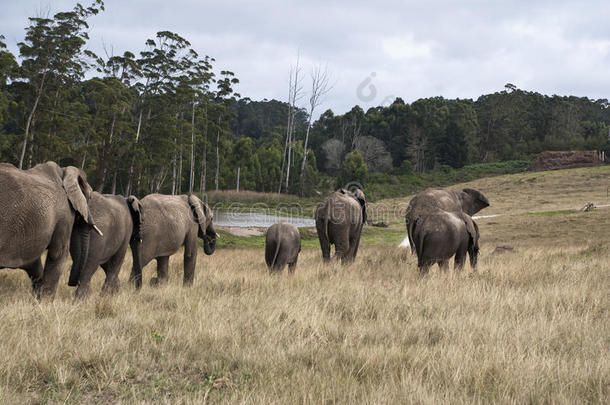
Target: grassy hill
x: 530, y: 326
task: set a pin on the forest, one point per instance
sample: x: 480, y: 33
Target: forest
x: 165, y: 119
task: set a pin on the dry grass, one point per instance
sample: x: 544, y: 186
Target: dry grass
x: 528, y: 327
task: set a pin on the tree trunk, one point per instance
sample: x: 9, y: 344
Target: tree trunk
x: 204, y: 164
x: 216, y: 180
x: 130, y: 175
x: 238, y: 172
x: 114, y: 182
x: 192, y: 173
x: 31, y: 117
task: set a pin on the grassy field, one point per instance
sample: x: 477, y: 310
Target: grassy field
x: 530, y: 326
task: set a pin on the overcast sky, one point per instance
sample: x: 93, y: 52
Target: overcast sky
x: 376, y: 51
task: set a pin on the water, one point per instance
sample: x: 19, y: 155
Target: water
x: 251, y: 219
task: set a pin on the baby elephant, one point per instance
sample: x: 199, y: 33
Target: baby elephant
x: 282, y: 246
x: 440, y: 235
x: 119, y: 220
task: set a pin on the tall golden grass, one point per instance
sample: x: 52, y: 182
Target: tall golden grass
x: 530, y: 326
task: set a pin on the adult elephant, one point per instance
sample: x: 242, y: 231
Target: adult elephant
x: 468, y: 200
x: 339, y: 221
x: 38, y: 207
x: 119, y: 219
x: 171, y: 221
x: 440, y: 235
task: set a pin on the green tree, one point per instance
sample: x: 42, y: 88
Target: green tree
x: 352, y: 170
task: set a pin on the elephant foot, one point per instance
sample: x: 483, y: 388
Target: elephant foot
x: 82, y: 292
x: 36, y: 287
x: 136, y: 281
x: 156, y: 282
x: 110, y: 289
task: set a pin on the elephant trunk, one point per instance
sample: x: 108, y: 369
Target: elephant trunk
x: 209, y: 240
x: 79, y: 249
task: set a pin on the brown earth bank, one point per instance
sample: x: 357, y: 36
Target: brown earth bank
x: 554, y: 160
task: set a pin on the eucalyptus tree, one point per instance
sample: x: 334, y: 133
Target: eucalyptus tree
x: 160, y: 68
x: 53, y: 51
x: 225, y: 96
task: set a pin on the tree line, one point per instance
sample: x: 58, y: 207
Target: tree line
x: 165, y: 119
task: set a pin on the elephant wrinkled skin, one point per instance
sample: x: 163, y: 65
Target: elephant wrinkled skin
x: 282, y: 246
x: 38, y: 208
x: 339, y: 221
x: 171, y: 221
x: 440, y: 235
x: 119, y: 219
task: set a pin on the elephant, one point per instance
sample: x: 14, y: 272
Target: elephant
x: 39, y: 207
x: 282, y: 246
x: 441, y: 235
x: 468, y: 200
x: 171, y: 221
x: 339, y: 221
x: 120, y: 219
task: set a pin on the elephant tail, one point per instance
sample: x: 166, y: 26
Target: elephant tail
x: 277, y: 247
x: 419, y: 247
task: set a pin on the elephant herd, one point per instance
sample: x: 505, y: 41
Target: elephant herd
x: 53, y: 209
x: 439, y: 227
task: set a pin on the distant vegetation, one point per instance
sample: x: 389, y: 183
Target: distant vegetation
x: 166, y: 119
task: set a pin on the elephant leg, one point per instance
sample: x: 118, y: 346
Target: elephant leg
x: 424, y: 267
x: 324, y: 244
x: 190, y: 260
x: 35, y: 272
x: 292, y: 265
x: 84, y: 281
x: 162, y: 271
x: 56, y: 258
x: 342, y: 249
x: 460, y: 260
x: 112, y: 268
x: 353, y: 247
x: 443, y: 265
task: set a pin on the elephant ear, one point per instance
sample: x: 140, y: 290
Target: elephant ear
x: 197, y: 207
x: 78, y: 191
x: 135, y: 208
x: 361, y: 198
x: 207, y: 211
x: 471, y: 227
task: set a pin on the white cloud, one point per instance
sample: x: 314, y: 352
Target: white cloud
x: 416, y: 49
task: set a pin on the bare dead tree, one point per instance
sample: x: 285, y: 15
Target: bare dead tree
x: 295, y: 93
x: 320, y: 87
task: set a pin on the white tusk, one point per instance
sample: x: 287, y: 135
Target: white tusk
x: 97, y: 230
x: 217, y: 235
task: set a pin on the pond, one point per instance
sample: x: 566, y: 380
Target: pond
x: 253, y: 219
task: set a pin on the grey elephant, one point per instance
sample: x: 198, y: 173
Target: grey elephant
x: 119, y: 219
x: 171, y: 221
x: 39, y: 206
x: 282, y: 246
x: 339, y: 221
x: 440, y: 235
x: 468, y: 200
